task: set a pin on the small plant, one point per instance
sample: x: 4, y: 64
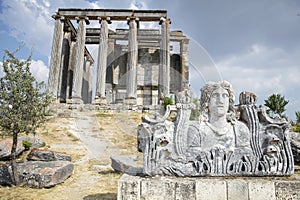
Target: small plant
x: 168, y: 101
x: 27, y: 144
x: 195, y: 112
x: 296, y: 129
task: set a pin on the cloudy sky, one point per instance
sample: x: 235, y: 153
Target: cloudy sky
x: 252, y: 44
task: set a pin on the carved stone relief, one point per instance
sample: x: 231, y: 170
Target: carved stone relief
x: 227, y: 140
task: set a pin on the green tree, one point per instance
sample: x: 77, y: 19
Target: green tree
x: 277, y: 104
x: 297, y: 117
x: 23, y: 105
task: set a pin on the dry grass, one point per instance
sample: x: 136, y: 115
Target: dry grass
x: 121, y: 129
x: 85, y: 183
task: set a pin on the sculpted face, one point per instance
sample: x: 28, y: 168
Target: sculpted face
x: 219, y: 102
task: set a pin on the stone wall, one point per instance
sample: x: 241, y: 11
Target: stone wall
x: 233, y: 188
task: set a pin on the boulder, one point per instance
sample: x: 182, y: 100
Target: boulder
x: 35, y: 141
x: 126, y: 164
x: 5, y: 148
x: 47, y: 155
x: 38, y: 174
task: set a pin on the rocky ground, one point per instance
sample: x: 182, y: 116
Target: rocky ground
x: 90, y: 138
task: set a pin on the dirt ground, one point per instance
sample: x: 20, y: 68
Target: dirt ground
x: 90, y: 138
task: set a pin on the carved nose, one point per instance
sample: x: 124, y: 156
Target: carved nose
x: 220, y: 100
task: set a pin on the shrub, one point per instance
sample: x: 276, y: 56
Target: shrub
x: 26, y: 144
x: 168, y: 101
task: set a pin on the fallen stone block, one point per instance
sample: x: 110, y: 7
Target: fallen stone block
x: 47, y: 155
x: 38, y: 174
x: 126, y: 164
x: 5, y: 148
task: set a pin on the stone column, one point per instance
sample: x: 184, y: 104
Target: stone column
x: 102, y: 63
x: 79, y: 61
x: 71, y: 70
x: 164, y: 68
x: 131, y: 84
x: 63, y: 76
x: 90, y: 81
x: 184, y: 54
x: 55, y: 60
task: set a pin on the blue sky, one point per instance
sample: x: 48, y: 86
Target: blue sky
x: 252, y: 44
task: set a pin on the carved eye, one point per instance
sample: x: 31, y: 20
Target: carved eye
x: 225, y: 95
x: 215, y: 95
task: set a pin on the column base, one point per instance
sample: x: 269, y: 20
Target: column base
x: 130, y: 101
x: 74, y: 101
x: 99, y: 101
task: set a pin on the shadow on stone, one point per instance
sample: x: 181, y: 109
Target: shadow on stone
x: 107, y: 196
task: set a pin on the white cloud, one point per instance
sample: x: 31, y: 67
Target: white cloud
x: 138, y: 5
x: 28, y: 21
x: 31, y: 22
x: 39, y: 70
x: 264, y: 71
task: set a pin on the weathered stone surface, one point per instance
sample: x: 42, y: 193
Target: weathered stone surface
x: 126, y: 164
x: 237, y: 189
x: 5, y: 148
x: 35, y: 141
x: 102, y: 168
x: 47, y: 155
x: 38, y: 174
x: 261, y: 190
x: 211, y: 189
x: 227, y: 140
x: 207, y: 188
x: 287, y: 190
x: 295, y: 144
x: 150, y: 187
x: 129, y: 188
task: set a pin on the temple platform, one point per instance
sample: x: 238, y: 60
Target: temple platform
x: 206, y: 188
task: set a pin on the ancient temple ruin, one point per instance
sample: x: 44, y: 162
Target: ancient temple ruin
x: 134, y: 65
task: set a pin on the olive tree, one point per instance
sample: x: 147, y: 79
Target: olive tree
x: 23, y: 104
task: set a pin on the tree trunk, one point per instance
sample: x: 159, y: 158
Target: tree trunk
x: 15, y: 175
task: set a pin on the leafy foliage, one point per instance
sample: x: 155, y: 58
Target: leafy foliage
x: 23, y: 106
x: 168, y: 101
x: 295, y: 128
x: 297, y: 113
x: 277, y: 104
x: 26, y: 144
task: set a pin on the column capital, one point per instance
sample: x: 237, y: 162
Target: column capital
x: 185, y: 41
x: 86, y: 19
x: 162, y: 19
x: 108, y: 19
x: 57, y: 16
x: 133, y: 18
